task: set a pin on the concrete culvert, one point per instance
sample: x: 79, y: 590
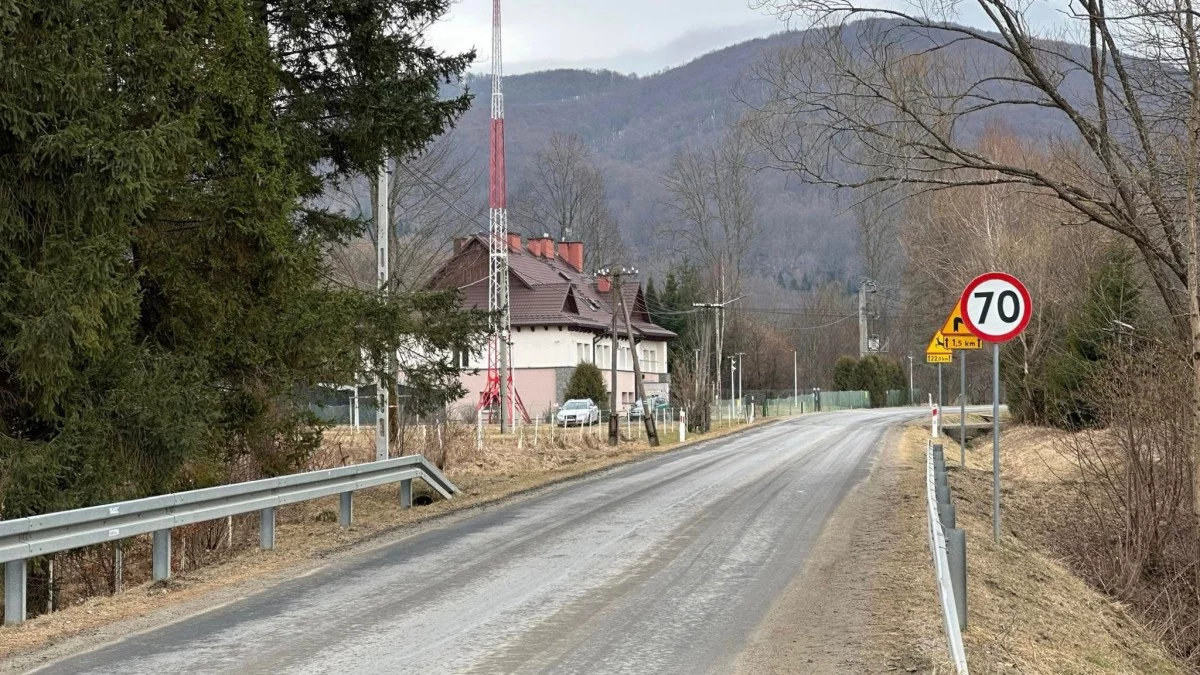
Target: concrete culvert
x: 422, y: 500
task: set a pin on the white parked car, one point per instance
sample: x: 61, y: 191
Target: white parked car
x: 578, y: 411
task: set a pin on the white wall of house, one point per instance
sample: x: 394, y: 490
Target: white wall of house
x: 537, y: 353
x: 549, y: 347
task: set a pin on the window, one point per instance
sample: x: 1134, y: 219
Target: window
x: 581, y: 349
x: 463, y: 358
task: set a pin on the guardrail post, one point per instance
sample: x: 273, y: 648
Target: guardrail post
x: 956, y: 553
x: 346, y: 510
x: 162, y: 554
x: 406, y: 493
x: 947, y: 514
x: 942, y: 491
x: 118, y: 567
x: 14, y: 592
x: 266, y: 528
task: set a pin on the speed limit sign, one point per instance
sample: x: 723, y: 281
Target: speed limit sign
x: 996, y: 307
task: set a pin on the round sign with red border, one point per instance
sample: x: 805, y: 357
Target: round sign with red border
x: 996, y: 307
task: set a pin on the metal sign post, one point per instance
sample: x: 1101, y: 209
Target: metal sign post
x: 996, y: 307
x: 962, y: 410
x: 939, y: 399
x: 956, y: 336
x: 996, y: 441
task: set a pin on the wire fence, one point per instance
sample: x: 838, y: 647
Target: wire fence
x: 360, y: 411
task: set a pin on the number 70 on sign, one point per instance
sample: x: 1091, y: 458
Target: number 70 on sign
x: 996, y: 307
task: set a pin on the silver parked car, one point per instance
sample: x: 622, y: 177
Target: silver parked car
x: 578, y: 411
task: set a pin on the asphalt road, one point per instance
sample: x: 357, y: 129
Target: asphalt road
x: 663, y: 566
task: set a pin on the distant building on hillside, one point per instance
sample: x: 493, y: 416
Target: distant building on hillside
x: 561, y: 317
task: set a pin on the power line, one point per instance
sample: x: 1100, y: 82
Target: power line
x: 440, y: 194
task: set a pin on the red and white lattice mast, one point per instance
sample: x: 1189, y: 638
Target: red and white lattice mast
x: 499, y: 358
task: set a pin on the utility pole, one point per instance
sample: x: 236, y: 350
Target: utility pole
x: 382, y: 235
x: 741, y: 390
x: 638, y: 386
x: 795, y: 377
x: 718, y: 308
x: 864, y: 338
x: 911, y: 395
x: 732, y: 381
x: 614, y: 428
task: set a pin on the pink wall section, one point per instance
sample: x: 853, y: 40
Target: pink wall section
x: 536, y: 387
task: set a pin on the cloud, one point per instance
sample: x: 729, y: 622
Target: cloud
x: 627, y: 35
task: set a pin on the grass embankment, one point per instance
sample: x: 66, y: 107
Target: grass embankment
x: 307, y: 533
x: 1027, y: 612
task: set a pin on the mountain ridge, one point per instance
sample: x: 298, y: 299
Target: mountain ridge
x: 635, y: 125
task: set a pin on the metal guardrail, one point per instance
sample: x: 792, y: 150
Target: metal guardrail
x: 952, y: 591
x: 24, y: 538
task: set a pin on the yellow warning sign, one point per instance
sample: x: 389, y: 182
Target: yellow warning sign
x: 956, y: 327
x: 956, y: 342
x: 939, y: 358
x: 937, y: 345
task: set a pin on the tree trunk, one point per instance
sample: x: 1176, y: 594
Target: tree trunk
x: 1193, y: 283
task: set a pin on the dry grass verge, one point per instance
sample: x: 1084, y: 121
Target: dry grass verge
x: 307, y: 533
x: 1027, y: 612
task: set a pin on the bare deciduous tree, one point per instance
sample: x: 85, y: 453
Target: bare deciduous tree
x: 427, y: 209
x: 892, y: 102
x: 715, y: 207
x: 564, y: 196
x: 715, y: 216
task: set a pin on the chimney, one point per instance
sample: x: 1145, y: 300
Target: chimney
x: 514, y: 242
x: 603, y: 284
x: 542, y: 246
x: 572, y: 252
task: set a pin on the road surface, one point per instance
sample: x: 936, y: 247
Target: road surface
x: 663, y: 566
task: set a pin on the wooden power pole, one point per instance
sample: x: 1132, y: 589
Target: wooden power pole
x: 614, y: 425
x: 638, y: 387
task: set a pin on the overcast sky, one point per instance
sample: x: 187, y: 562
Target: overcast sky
x: 641, y: 36
x: 628, y: 35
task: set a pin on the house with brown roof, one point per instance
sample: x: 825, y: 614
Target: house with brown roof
x: 561, y: 317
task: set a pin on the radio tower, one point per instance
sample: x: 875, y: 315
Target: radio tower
x: 505, y: 396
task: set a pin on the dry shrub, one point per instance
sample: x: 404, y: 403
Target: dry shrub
x: 1132, y: 533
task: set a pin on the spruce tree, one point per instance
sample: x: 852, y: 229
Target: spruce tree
x: 164, y: 295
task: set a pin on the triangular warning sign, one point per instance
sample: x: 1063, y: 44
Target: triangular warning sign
x: 955, y: 326
x: 938, y: 345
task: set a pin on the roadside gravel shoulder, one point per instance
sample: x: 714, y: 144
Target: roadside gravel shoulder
x: 866, y: 601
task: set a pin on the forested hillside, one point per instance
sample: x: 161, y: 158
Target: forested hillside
x: 634, y: 126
